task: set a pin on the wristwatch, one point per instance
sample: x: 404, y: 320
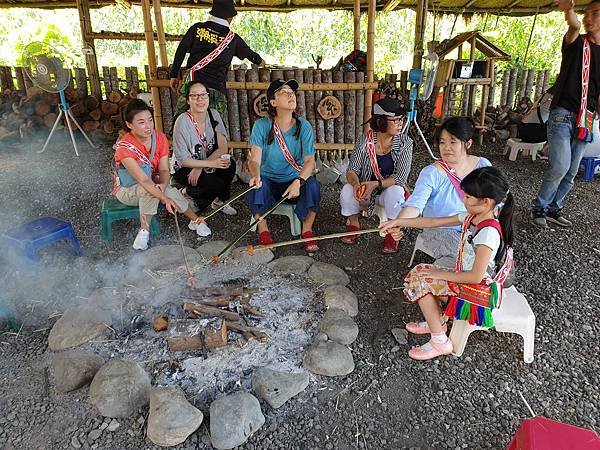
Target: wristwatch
x: 302, y: 181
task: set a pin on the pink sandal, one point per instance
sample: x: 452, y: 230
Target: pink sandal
x: 422, y: 327
x: 430, y: 350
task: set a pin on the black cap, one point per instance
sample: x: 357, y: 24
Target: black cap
x: 389, y: 107
x: 224, y: 9
x: 278, y: 84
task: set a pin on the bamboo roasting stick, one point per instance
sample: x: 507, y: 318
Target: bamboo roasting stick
x: 250, y: 249
x: 216, y: 259
x: 231, y: 200
x: 190, y: 280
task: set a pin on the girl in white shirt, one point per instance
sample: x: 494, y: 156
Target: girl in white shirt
x: 483, y: 261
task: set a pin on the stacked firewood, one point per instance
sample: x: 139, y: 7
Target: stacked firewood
x: 211, y: 314
x: 24, y: 116
x: 502, y: 122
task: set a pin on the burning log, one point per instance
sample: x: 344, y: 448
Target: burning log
x: 248, y: 331
x: 190, y: 335
x: 204, y: 310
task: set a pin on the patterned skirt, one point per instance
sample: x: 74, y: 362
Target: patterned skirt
x: 416, y: 286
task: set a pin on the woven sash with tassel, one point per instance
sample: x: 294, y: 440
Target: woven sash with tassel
x: 475, y: 302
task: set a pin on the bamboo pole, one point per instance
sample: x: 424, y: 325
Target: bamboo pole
x: 471, y: 90
x: 318, y: 146
x: 91, y: 63
x: 262, y: 86
x: 152, y: 63
x: 420, y: 21
x: 160, y: 33
x: 356, y: 14
x: 370, y: 57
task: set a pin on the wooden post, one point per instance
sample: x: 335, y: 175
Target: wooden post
x: 81, y: 79
x: 338, y: 77
x: 160, y: 32
x: 404, y: 81
x: 240, y: 75
x: 356, y: 24
x: 360, y: 106
x: 420, y: 21
x: 300, y: 95
x: 327, y: 77
x: 473, y: 87
x: 529, y: 84
x: 107, y: 80
x: 492, y: 89
x: 91, y: 62
x: 165, y: 101
x: 546, y: 80
x: 252, y: 75
x: 320, y: 123
x: 370, y: 57
x: 349, y: 109
x: 152, y: 63
x: 512, y: 85
x: 523, y: 82
x: 539, y: 85
x: 309, y: 77
x: 21, y: 85
x: 233, y: 110
x: 505, y: 84
x: 135, y: 79
x: 114, y: 79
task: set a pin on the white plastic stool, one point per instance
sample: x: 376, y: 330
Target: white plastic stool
x: 419, y: 245
x: 515, y: 145
x: 513, y: 316
x: 288, y: 210
x: 379, y: 211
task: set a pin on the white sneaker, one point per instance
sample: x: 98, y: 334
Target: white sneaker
x: 201, y: 229
x: 228, y: 209
x: 141, y: 240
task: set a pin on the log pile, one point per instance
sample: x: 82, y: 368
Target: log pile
x: 212, y: 313
x: 502, y: 122
x: 32, y: 114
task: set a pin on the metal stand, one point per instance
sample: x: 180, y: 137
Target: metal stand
x: 415, y: 77
x: 64, y: 109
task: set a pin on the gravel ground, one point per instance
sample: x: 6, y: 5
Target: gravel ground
x: 389, y: 401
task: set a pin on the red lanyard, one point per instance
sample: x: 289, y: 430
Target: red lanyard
x: 212, y: 55
x: 201, y: 138
x: 284, y: 148
x: 373, y: 155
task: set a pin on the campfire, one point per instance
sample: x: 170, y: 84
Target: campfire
x: 216, y: 316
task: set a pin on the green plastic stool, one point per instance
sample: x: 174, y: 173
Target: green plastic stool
x: 113, y: 209
x: 288, y: 210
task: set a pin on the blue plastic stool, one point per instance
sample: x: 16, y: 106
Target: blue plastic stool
x: 589, y: 167
x: 29, y: 237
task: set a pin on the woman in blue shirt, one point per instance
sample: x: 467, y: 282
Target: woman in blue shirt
x: 282, y: 161
x: 437, y: 191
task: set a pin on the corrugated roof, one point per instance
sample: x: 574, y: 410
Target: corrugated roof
x: 502, y: 7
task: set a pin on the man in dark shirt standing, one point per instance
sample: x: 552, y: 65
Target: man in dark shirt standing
x: 201, y: 40
x: 566, y: 151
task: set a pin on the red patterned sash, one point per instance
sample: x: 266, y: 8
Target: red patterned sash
x: 284, y: 148
x: 201, y: 138
x: 373, y: 155
x: 211, y: 56
x: 453, y: 178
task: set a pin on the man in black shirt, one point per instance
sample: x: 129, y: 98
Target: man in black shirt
x: 566, y: 151
x: 201, y: 40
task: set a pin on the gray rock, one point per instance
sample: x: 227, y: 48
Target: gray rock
x: 327, y: 274
x: 172, y: 418
x: 297, y: 265
x: 338, y: 326
x: 78, y: 326
x: 120, y: 388
x: 211, y: 248
x: 343, y: 298
x: 276, y: 388
x: 259, y: 257
x: 113, y: 425
x: 233, y: 419
x: 94, y: 434
x: 74, y: 369
x: 329, y: 358
x: 166, y: 257
x: 400, y: 335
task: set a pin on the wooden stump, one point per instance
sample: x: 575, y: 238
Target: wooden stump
x: 300, y: 95
x: 327, y: 77
x: 240, y: 75
x: 512, y: 85
x: 505, y: 84
x: 320, y: 124
x: 233, y: 110
x: 360, y: 107
x: 252, y: 76
x: 349, y: 109
x: 338, y: 77
x: 310, y: 101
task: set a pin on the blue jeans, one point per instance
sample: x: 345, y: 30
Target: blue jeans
x: 564, y: 159
x: 262, y: 199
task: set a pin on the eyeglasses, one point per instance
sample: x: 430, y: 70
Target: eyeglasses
x: 287, y: 92
x: 203, y: 96
x: 396, y: 120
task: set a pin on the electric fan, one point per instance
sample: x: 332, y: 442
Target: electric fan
x: 43, y: 65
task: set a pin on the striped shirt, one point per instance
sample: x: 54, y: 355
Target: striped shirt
x: 402, y: 148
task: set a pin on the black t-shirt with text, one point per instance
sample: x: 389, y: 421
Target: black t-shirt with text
x: 201, y: 39
x: 567, y: 89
